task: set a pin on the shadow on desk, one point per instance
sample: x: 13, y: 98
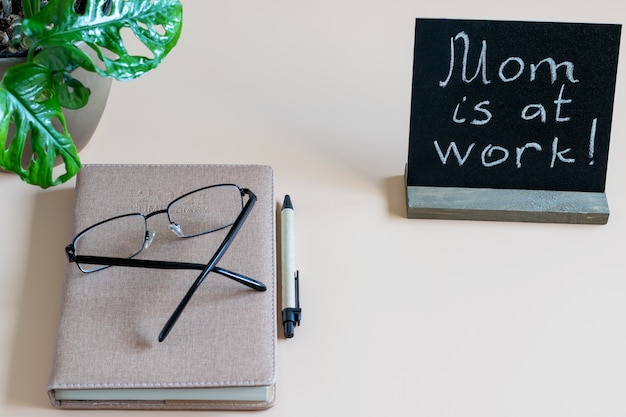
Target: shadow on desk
x: 396, y: 195
x: 42, y: 284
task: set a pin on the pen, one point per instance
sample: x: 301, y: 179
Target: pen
x: 290, y: 277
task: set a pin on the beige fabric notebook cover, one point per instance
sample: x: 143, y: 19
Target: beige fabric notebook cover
x: 221, y: 352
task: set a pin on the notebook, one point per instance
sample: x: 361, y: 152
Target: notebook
x: 220, y: 354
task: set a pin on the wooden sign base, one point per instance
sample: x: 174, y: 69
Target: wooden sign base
x: 489, y: 204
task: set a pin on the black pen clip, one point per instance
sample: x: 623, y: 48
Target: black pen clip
x: 298, y: 315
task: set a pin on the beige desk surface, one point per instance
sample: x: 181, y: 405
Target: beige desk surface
x: 401, y: 317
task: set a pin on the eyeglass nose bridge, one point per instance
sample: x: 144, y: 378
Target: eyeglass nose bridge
x: 148, y: 239
x: 176, y: 229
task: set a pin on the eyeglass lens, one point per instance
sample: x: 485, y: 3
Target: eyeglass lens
x: 120, y: 237
x: 206, y: 210
x: 199, y: 212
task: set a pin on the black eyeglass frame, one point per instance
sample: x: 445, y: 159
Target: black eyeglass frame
x: 211, y: 266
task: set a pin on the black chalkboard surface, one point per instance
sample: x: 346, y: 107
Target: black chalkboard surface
x: 511, y: 105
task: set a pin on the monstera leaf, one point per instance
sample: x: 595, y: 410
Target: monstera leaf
x: 29, y: 109
x: 33, y: 132
x: 61, y: 62
x: 156, y: 24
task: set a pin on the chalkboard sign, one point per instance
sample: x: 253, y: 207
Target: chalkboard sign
x: 503, y: 105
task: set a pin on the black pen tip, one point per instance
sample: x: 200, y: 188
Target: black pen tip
x: 288, y: 327
x: 287, y: 203
x: 291, y: 319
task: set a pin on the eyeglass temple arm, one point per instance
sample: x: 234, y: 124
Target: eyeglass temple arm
x: 211, y: 265
x: 147, y: 263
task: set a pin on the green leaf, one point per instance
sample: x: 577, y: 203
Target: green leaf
x: 157, y: 24
x: 63, y: 58
x: 28, y: 107
x: 72, y: 94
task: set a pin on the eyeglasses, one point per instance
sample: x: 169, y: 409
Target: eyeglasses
x: 116, y: 241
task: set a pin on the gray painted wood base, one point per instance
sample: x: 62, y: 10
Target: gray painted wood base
x: 506, y: 205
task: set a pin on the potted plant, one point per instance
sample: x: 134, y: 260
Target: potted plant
x: 57, y: 36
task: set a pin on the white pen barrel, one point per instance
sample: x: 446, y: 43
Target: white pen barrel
x: 288, y: 258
